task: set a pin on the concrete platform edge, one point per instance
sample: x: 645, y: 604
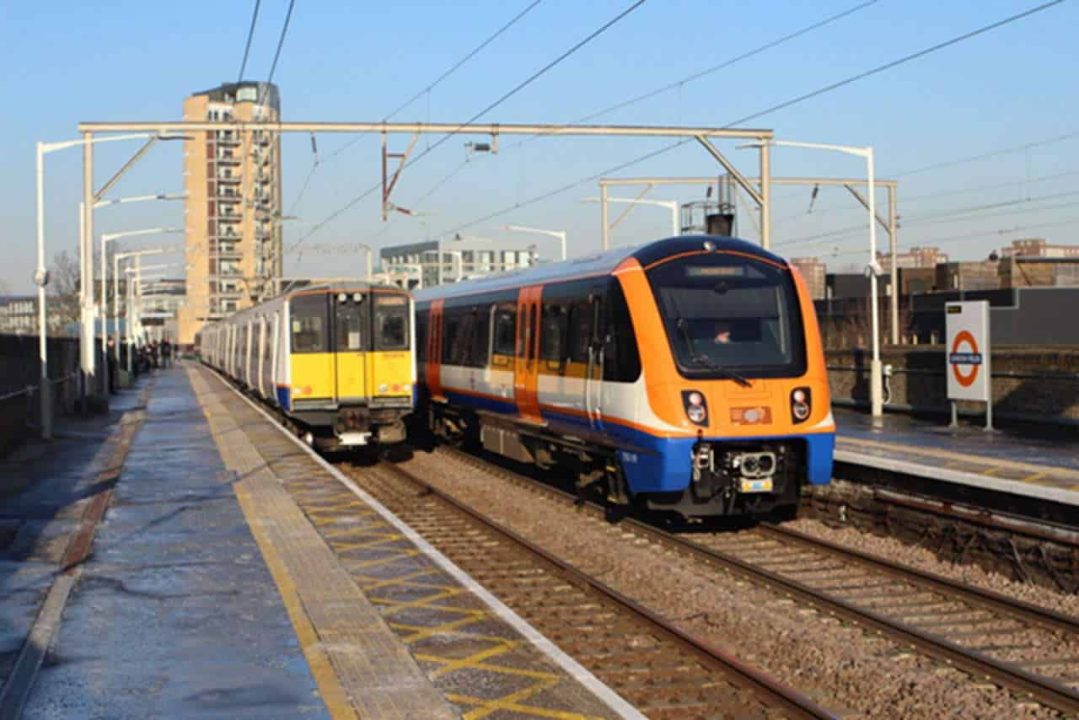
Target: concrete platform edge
x: 1012, y: 487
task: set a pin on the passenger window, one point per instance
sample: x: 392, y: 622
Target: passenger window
x: 553, y: 333
x: 580, y: 331
x: 309, y: 324
x: 477, y: 354
x: 505, y: 328
x: 391, y: 322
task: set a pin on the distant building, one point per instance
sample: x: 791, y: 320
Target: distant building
x: 916, y: 280
x: 18, y: 314
x: 429, y: 263
x: 965, y: 276
x: 233, y: 184
x: 1019, y: 271
x: 815, y: 274
x: 1039, y: 248
x: 915, y: 257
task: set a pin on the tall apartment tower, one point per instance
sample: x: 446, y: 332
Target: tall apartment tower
x: 233, y: 208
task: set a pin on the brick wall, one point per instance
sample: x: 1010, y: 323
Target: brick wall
x: 1032, y: 384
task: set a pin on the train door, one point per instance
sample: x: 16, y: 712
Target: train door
x: 433, y: 367
x: 260, y: 353
x: 313, y: 371
x: 526, y: 360
x: 589, y: 326
x: 351, y: 343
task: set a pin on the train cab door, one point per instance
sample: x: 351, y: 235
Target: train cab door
x: 313, y: 372
x: 351, y: 344
x: 526, y: 360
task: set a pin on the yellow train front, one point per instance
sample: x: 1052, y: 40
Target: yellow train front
x: 336, y: 360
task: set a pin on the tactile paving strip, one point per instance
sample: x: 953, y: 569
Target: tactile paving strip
x: 481, y: 664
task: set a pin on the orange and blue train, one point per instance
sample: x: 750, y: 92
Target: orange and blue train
x: 684, y: 376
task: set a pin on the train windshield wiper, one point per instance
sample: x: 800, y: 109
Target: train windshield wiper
x: 698, y: 358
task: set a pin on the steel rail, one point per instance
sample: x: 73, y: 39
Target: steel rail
x: 1043, y: 689
x: 792, y: 701
x: 989, y: 599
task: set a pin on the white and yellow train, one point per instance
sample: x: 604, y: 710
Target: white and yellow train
x: 335, y: 359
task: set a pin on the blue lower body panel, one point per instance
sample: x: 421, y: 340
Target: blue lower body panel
x: 654, y: 464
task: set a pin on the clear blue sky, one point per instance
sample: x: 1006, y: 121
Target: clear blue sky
x: 69, y: 61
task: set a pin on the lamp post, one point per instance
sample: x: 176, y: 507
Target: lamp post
x: 560, y: 234
x: 106, y: 238
x: 876, y: 387
x: 116, y: 260
x: 41, y: 275
x: 671, y: 205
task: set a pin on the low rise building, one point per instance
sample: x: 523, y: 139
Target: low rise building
x: 18, y: 314
x: 433, y: 262
x: 815, y: 274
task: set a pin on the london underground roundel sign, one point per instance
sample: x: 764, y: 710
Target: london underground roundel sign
x: 967, y: 350
x: 965, y: 358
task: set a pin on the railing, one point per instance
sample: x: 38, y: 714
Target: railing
x: 63, y: 395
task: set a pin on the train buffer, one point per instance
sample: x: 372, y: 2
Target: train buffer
x: 185, y: 557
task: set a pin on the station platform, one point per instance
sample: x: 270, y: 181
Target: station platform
x: 186, y: 557
x: 1027, y: 465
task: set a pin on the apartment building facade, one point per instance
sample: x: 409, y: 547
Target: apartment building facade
x: 232, y: 211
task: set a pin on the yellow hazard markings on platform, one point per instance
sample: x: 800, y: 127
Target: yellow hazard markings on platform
x: 989, y: 466
x: 368, y: 546
x: 321, y: 669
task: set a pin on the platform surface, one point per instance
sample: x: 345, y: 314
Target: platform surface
x: 175, y: 614
x: 1010, y: 461
x: 233, y: 575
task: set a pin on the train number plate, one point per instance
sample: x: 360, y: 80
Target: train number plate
x: 757, y: 486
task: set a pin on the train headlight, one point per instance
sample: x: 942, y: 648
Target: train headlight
x: 357, y: 297
x: 696, y: 407
x: 800, y: 405
x: 342, y: 297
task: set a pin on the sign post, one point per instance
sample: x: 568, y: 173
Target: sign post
x: 968, y: 356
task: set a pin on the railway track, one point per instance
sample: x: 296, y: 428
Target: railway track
x: 1029, y: 650
x: 660, y: 669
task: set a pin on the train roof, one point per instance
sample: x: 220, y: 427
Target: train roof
x: 591, y: 265
x: 341, y: 285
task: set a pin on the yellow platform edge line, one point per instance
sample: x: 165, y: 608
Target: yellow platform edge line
x: 333, y: 694
x: 330, y: 689
x: 982, y: 460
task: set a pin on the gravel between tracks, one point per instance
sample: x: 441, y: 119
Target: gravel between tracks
x: 924, y: 559
x: 840, y: 666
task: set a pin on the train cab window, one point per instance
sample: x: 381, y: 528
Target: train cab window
x: 726, y: 313
x: 309, y: 324
x: 391, y: 322
x: 504, y: 329
x: 349, y: 330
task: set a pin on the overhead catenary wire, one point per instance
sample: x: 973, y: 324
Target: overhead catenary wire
x: 677, y: 84
x: 491, y: 106
x: 247, y: 45
x: 831, y: 87
x: 471, y: 54
x: 973, y: 212
x: 915, y: 199
x: 277, y: 52
x: 450, y: 71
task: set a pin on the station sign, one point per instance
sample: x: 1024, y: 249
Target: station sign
x: 967, y: 352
